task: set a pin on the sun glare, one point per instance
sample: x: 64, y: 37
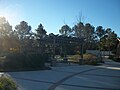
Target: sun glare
x: 13, y: 14
x: 108, y: 67
x: 10, y: 17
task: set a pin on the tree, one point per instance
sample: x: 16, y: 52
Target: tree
x: 100, y: 32
x: 5, y: 32
x: 14, y: 42
x: 23, y: 30
x: 85, y: 31
x: 78, y: 30
x: 108, y: 39
x: 89, y: 36
x: 111, y: 39
x: 41, y: 32
x: 5, y: 27
x: 40, y: 36
x: 65, y: 30
x: 88, y: 32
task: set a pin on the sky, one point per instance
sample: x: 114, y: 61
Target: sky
x: 53, y: 14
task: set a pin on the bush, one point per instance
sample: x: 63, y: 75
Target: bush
x: 62, y: 55
x: 15, y: 61
x: 86, y: 57
x: 89, y: 56
x: 7, y: 84
x: 94, y: 62
x: 75, y: 58
x: 111, y: 57
x: 36, y: 60
x: 117, y: 59
x: 25, y: 61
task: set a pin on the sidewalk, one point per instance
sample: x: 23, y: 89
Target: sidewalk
x: 71, y: 77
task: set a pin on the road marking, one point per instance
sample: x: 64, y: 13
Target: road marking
x: 52, y: 87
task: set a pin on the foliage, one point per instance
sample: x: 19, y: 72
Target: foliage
x: 41, y: 32
x: 5, y: 27
x: 5, y: 33
x: 87, y: 59
x: 25, y: 49
x: 7, y: 84
x: 116, y: 59
x: 111, y: 57
x: 23, y: 30
x: 15, y: 61
x: 65, y: 30
x: 25, y: 61
x: 108, y: 41
x: 89, y: 56
x: 75, y: 58
x: 78, y: 30
x: 36, y: 60
x: 100, y: 31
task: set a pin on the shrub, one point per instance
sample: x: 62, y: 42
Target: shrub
x: 25, y: 61
x: 89, y: 56
x: 111, y: 57
x: 86, y: 57
x: 36, y: 60
x: 62, y: 55
x: 94, y: 62
x: 7, y: 84
x: 117, y: 59
x: 75, y: 58
x: 15, y: 61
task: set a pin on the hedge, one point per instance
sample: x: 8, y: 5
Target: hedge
x: 25, y: 61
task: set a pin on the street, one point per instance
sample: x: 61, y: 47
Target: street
x: 71, y: 77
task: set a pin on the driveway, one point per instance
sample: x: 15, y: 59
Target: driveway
x: 71, y: 77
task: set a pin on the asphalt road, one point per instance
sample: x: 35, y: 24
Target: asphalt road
x: 71, y: 77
